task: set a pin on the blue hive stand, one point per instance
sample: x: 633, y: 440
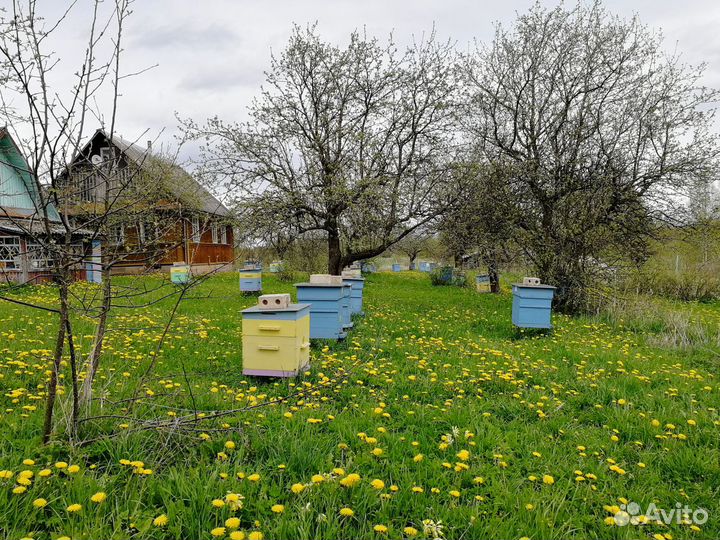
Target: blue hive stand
x: 327, y: 302
x: 532, y: 305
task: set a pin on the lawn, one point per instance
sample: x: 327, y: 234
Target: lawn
x: 434, y: 419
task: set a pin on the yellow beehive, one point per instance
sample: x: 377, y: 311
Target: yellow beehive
x: 276, y: 342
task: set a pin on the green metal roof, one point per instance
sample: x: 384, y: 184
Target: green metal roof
x: 18, y: 191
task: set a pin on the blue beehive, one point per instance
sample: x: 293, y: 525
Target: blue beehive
x: 250, y: 279
x: 326, y: 308
x: 356, y: 293
x: 346, y: 306
x: 532, y: 304
x: 396, y: 267
x: 424, y: 266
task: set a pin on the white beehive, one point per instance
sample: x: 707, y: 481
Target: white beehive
x: 351, y: 273
x: 274, y: 301
x: 325, y: 279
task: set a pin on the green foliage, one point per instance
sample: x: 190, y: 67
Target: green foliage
x: 429, y: 371
x: 447, y: 275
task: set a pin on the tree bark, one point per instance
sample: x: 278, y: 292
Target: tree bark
x: 57, y: 358
x: 334, y: 253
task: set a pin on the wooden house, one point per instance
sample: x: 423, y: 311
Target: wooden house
x: 158, y: 214
x: 24, y: 238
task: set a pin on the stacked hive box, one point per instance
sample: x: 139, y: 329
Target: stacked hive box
x: 357, y: 284
x: 396, y: 268
x: 276, y: 266
x: 532, y: 304
x: 276, y: 337
x: 482, y: 283
x: 180, y: 273
x: 346, y: 306
x: 325, y: 294
x: 250, y: 279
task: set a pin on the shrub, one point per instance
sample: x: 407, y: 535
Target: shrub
x: 447, y: 275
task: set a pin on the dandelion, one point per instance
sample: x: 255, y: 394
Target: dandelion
x: 218, y: 531
x: 418, y: 458
x: 99, y: 497
x: 317, y: 479
x: 44, y: 473
x: 255, y: 535
x: 381, y: 529
x: 40, y: 503
x: 350, y: 480
x: 455, y: 493
x: 377, y: 484
x: 277, y: 508
x: 73, y: 469
x: 218, y: 503
x: 19, y: 490
x: 237, y: 535
x: 410, y: 531
x: 229, y: 445
x: 61, y: 465
x: 463, y: 455
x: 255, y: 477
x: 297, y: 488
x: 28, y: 462
x: 547, y: 479
x: 161, y: 520
x: 73, y: 508
x: 6, y: 475
x: 346, y: 512
x: 232, y: 523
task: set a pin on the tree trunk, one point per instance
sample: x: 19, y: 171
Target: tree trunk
x: 412, y: 262
x: 93, y: 360
x: 334, y: 253
x: 57, y: 358
x: 492, y: 268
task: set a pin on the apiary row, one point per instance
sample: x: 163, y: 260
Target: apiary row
x: 277, y: 333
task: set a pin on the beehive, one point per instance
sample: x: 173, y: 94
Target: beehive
x: 424, y: 266
x: 276, y: 342
x: 482, y: 283
x: 276, y: 266
x: 396, y: 267
x: 345, y: 304
x: 180, y: 273
x: 250, y: 279
x: 326, y: 308
x: 357, y: 285
x: 532, y: 305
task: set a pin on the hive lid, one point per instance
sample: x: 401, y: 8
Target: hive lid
x: 290, y: 308
x: 331, y: 285
x: 538, y: 286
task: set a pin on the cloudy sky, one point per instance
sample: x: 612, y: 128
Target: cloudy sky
x: 211, y: 54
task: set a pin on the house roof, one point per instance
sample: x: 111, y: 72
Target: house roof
x: 19, y: 195
x: 179, y: 182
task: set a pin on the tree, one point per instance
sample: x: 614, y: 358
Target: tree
x: 482, y: 223
x: 600, y: 128
x: 353, y: 142
x: 413, y: 245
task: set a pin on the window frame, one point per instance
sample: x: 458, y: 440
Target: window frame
x: 196, y: 234
x: 15, y: 261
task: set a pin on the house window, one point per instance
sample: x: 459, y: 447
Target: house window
x: 39, y: 256
x: 106, y: 155
x: 223, y: 234
x: 117, y: 234
x: 9, y: 252
x: 87, y: 187
x: 215, y: 238
x: 196, y: 229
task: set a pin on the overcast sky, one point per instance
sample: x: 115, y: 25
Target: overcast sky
x: 211, y: 53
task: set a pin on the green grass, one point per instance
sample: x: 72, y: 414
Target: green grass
x: 429, y: 370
